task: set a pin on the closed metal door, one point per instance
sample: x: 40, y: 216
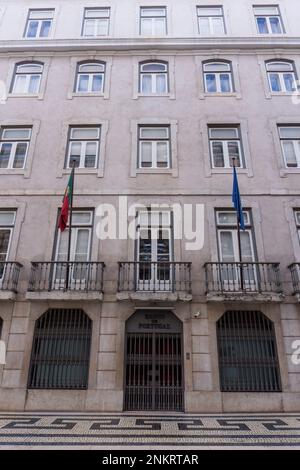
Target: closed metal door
x: 153, y: 367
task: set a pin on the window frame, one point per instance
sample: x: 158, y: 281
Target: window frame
x: 153, y: 33
x: 82, y: 154
x: 283, y: 139
x: 28, y: 78
x: 267, y: 17
x: 15, y: 143
x: 83, y: 35
x: 40, y: 21
x: 10, y: 228
x: 90, y: 74
x: 153, y: 74
x: 210, y: 17
x: 154, y: 146
x: 217, y: 76
x: 224, y: 141
x: 280, y: 74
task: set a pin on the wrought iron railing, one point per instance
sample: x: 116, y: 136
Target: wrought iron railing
x: 154, y: 276
x: 295, y: 274
x: 243, y: 277
x: 73, y: 276
x: 9, y: 275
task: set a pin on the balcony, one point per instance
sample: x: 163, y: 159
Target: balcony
x: 243, y: 282
x: 149, y: 281
x: 60, y: 280
x: 9, y: 279
x: 295, y: 275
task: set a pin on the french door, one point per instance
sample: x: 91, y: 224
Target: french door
x: 5, y: 237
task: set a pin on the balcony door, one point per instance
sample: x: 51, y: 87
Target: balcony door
x: 230, y: 273
x: 79, y: 253
x: 7, y: 220
x: 154, y: 253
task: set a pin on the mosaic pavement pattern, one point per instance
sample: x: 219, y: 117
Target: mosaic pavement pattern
x: 125, y: 431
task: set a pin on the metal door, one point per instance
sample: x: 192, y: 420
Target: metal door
x: 153, y: 363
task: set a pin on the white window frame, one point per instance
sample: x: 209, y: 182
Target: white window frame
x: 18, y: 73
x: 153, y: 76
x: 91, y: 77
x: 280, y: 74
x: 210, y: 19
x: 154, y: 145
x: 295, y: 142
x: 267, y: 17
x: 40, y: 22
x: 84, y: 143
x: 107, y: 18
x: 217, y: 75
x: 14, y: 143
x: 153, y: 20
x: 10, y: 228
x: 225, y: 146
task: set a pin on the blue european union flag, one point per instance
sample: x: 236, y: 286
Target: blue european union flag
x: 236, y: 199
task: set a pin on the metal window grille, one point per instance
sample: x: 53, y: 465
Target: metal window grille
x: 248, y: 360
x: 61, y: 350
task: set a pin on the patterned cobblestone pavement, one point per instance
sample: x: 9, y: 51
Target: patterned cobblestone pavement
x: 127, y: 431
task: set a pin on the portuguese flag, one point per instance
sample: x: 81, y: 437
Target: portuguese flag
x: 67, y: 203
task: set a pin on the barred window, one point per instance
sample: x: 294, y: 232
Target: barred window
x: 61, y: 350
x: 248, y: 360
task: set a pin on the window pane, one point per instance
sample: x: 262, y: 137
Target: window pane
x: 227, y: 246
x: 85, y: 133
x: 204, y: 27
x: 89, y: 28
x: 32, y: 29
x: 218, y: 155
x: 246, y: 247
x: 262, y: 25
x: 225, y: 82
x: 146, y: 26
x: 146, y: 85
x: 153, y: 12
x: 34, y: 84
x: 266, y: 10
x: 88, y: 68
x: 5, y: 154
x: 97, y: 13
x: 211, y: 84
x: 41, y: 14
x: 275, y: 82
x: 146, y: 154
x: 218, y: 25
x: 234, y: 152
x: 4, y: 241
x: 154, y: 132
x: 216, y: 67
x: 83, y: 218
x: 30, y: 68
x: 90, y: 154
x: 289, y: 153
x: 162, y: 154
x: 20, y: 84
x: 82, y: 245
x: 97, y: 83
x: 160, y: 26
x: 279, y: 66
x: 153, y: 67
x: 290, y: 132
x: 20, y: 154
x: 275, y: 25
x: 289, y: 81
x: 75, y: 152
x: 223, y: 133
x: 228, y: 218
x: 45, y: 29
x: 209, y: 11
x: 161, y: 83
x: 83, y: 83
x: 16, y: 134
x: 102, y: 27
x: 7, y: 218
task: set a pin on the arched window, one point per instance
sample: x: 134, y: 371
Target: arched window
x: 218, y: 77
x: 90, y: 77
x: 248, y: 360
x: 281, y: 76
x: 27, y: 78
x: 61, y: 350
x: 154, y: 78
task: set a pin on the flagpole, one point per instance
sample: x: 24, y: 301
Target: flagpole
x: 70, y: 226
x: 239, y: 241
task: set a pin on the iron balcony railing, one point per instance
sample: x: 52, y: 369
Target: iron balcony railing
x: 63, y: 276
x: 154, y: 276
x: 9, y: 275
x: 243, y: 277
x: 295, y: 274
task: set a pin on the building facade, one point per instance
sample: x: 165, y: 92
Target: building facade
x: 151, y: 101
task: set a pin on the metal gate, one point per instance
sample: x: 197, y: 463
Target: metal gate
x: 153, y: 362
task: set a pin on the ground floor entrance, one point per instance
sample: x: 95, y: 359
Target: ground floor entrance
x: 153, y: 362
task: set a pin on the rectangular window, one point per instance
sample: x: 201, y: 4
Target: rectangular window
x: 290, y: 144
x: 153, y: 21
x: 211, y: 21
x: 96, y: 22
x: 14, y: 143
x: 154, y: 147
x: 297, y: 220
x: 225, y: 144
x: 39, y: 23
x: 83, y: 147
x: 268, y: 19
x: 7, y: 221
